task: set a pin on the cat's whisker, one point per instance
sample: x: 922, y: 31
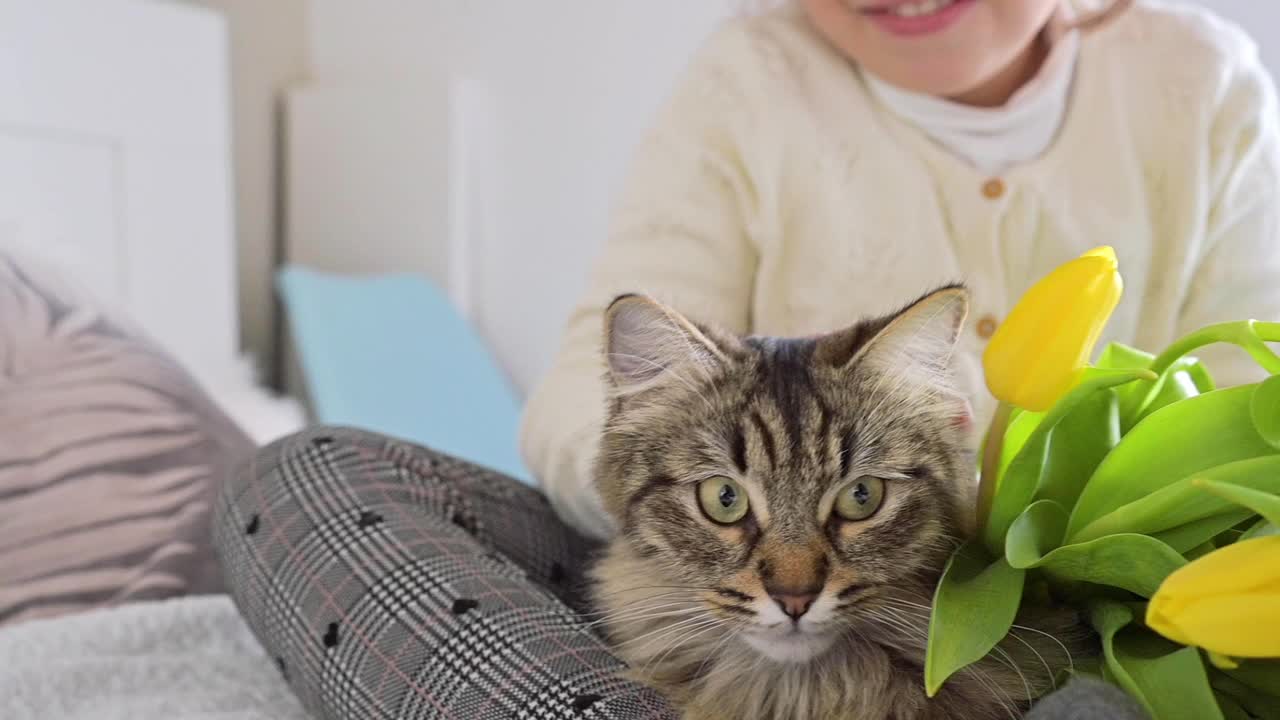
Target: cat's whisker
x: 669, y: 643
x: 1048, y: 671
x: 643, y: 616
x: 715, y: 651
x: 911, y: 632
x: 662, y: 631
x: 1014, y: 666
x: 983, y: 679
x: 691, y: 635
x: 648, y: 603
x: 673, y: 588
x: 1071, y: 665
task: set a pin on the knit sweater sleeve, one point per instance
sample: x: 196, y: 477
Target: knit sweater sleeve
x: 679, y: 234
x: 1238, y: 275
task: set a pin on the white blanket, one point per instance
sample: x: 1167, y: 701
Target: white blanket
x: 184, y: 659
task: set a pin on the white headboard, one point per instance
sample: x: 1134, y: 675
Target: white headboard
x: 115, y: 160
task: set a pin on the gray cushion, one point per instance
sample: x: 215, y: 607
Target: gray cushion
x: 109, y: 457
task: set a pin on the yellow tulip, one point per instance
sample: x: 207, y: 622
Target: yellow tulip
x: 1227, y: 602
x: 1039, y: 351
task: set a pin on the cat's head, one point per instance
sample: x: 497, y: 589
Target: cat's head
x: 787, y: 488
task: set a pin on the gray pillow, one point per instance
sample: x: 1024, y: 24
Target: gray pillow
x: 109, y: 457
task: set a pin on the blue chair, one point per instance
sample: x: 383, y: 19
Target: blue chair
x: 389, y: 353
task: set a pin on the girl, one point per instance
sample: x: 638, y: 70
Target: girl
x: 833, y: 158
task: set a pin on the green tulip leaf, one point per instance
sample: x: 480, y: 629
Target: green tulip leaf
x: 1016, y: 436
x: 1265, y: 409
x: 1188, y: 538
x: 1118, y: 356
x: 1018, y: 486
x: 973, y: 608
x: 1262, y: 528
x: 1231, y: 710
x: 1256, y: 702
x: 1261, y: 675
x: 1108, y: 619
x: 1037, y: 532
x: 1172, y: 679
x: 1077, y: 446
x: 1184, y: 439
x: 1264, y: 503
x: 1137, y: 563
x: 1186, y: 378
x: 1182, y: 502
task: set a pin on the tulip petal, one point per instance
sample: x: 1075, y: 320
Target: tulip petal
x: 1227, y: 602
x: 1242, y: 625
x: 1038, y: 353
x: 1251, y: 566
x: 1106, y: 252
x: 1222, y: 662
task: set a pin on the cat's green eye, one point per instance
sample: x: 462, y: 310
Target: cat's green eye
x: 860, y: 499
x: 723, y: 500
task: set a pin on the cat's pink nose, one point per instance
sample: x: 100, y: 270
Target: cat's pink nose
x: 795, y: 606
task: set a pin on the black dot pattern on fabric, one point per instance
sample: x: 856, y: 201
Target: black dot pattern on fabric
x: 461, y: 521
x: 331, y: 636
x: 252, y: 527
x: 369, y: 519
x: 283, y: 670
x: 557, y: 573
x: 462, y: 606
x: 323, y: 441
x: 585, y: 700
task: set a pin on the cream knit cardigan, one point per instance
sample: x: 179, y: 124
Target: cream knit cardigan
x: 775, y: 196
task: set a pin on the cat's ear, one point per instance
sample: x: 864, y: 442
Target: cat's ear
x: 916, y: 347
x: 646, y: 341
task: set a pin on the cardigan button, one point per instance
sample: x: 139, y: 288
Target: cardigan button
x: 993, y: 189
x: 987, y: 327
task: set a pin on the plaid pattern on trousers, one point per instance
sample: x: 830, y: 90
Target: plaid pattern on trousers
x: 393, y: 582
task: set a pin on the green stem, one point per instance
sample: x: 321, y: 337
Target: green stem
x: 992, y: 451
x: 1251, y: 335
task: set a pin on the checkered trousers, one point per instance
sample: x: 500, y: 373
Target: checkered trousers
x: 389, y: 581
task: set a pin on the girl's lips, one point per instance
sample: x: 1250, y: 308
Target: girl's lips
x: 912, y: 18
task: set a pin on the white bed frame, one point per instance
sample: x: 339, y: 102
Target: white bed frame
x: 115, y: 159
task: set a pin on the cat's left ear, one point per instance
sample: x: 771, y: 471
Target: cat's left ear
x: 647, y: 342
x: 916, y: 347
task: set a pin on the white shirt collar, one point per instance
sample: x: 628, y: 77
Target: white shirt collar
x: 994, y: 139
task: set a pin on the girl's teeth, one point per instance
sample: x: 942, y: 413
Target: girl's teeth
x: 924, y: 7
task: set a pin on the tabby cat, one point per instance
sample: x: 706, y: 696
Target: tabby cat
x: 785, y: 508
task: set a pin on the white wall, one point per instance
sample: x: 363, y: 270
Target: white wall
x: 1261, y: 18
x: 573, y: 83
x: 268, y: 52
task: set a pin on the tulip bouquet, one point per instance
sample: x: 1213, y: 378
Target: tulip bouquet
x: 1133, y: 491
